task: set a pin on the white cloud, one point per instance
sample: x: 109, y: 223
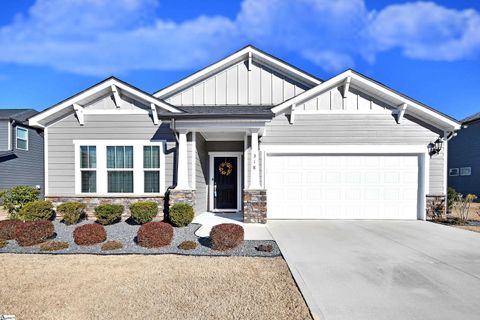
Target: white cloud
x: 425, y: 30
x: 100, y: 37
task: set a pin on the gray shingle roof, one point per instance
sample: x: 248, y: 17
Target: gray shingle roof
x: 223, y: 111
x: 471, y: 118
x: 20, y: 115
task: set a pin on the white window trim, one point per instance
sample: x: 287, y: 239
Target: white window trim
x: 463, y: 169
x: 16, y: 137
x: 88, y: 169
x: 159, y: 169
x: 138, y: 170
x: 451, y: 174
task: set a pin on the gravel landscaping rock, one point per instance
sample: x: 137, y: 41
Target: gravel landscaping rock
x: 126, y: 233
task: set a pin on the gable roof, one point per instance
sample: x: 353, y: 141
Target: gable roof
x: 379, y: 90
x: 240, y: 55
x: 94, y: 92
x: 19, y: 115
x: 473, y: 118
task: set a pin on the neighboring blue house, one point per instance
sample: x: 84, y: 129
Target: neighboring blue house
x: 21, y: 150
x: 464, y: 157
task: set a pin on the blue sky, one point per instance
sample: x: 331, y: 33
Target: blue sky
x: 52, y: 49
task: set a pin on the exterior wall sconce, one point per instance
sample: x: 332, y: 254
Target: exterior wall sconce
x: 435, y: 147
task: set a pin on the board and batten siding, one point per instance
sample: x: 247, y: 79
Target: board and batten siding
x: 24, y: 167
x: 61, y: 161
x: 333, y: 100
x: 234, y: 86
x: 4, y: 134
x: 201, y: 174
x: 357, y: 129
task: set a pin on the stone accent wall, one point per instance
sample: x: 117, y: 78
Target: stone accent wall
x: 255, y: 206
x: 181, y: 196
x: 92, y: 202
x: 436, y: 206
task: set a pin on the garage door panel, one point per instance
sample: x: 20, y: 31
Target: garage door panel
x: 342, y: 187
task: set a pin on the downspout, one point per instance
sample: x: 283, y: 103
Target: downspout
x: 172, y: 127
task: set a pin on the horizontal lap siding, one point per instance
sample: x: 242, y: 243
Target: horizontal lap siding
x: 4, y: 134
x: 348, y: 129
x: 61, y: 158
x: 201, y: 174
x: 26, y: 166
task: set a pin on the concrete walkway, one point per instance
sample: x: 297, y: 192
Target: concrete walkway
x: 383, y: 269
x: 253, y: 231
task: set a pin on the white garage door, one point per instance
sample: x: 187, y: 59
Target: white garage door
x: 342, y: 187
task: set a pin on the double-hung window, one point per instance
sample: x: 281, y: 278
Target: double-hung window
x: 120, y: 169
x: 88, y: 168
x: 21, y: 135
x: 151, y: 167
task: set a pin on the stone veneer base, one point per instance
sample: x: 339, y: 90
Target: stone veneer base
x: 255, y: 206
x: 181, y: 196
x: 92, y: 202
x: 436, y: 204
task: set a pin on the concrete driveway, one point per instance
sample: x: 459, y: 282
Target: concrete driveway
x: 383, y: 269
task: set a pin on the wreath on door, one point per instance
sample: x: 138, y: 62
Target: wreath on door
x: 225, y: 168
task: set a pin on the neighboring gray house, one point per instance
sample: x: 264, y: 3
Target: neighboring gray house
x: 250, y: 134
x: 21, y: 150
x: 464, y: 157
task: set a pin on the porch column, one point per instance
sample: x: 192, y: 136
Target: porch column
x: 254, y: 163
x: 182, y: 174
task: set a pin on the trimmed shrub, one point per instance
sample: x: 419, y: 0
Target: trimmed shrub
x: 155, y: 234
x: 3, y: 243
x: 89, y: 234
x: 53, y: 246
x: 108, y: 213
x: 72, y: 212
x: 36, y: 210
x: 15, y: 198
x: 143, y: 211
x: 7, y: 229
x: 226, y: 236
x: 264, y: 248
x: 181, y: 214
x: 112, y: 245
x: 452, y: 195
x: 33, y: 232
x: 187, y: 245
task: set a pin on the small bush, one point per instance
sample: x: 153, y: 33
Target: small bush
x: 72, y: 212
x: 3, y: 243
x: 108, y: 213
x: 15, y: 198
x: 89, y: 234
x: 112, y: 245
x: 264, y: 248
x: 143, y: 211
x: 155, y: 234
x: 187, y: 245
x: 226, y: 236
x: 36, y: 210
x: 33, y: 232
x: 53, y: 246
x: 7, y: 229
x: 451, y: 198
x: 181, y: 214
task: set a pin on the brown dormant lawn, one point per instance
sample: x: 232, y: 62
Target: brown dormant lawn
x: 147, y: 287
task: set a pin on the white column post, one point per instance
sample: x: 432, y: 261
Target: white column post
x: 182, y: 175
x: 194, y: 160
x: 254, y: 163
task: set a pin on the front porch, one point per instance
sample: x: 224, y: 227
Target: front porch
x: 220, y: 168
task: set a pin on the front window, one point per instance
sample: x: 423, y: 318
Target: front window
x: 88, y: 168
x: 151, y: 165
x: 120, y: 169
x: 22, y: 138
